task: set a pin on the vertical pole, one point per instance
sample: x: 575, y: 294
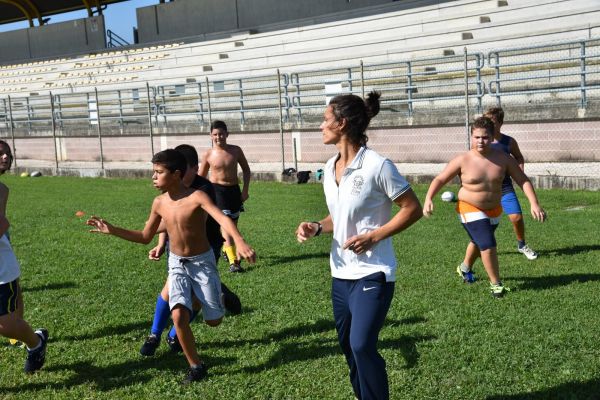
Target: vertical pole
x: 295, y: 155
x: 12, y: 131
x: 478, y: 83
x: 409, y: 89
x: 467, y: 117
x: 99, y: 129
x: 121, y: 125
x: 280, y: 120
x: 208, y: 98
x: 54, y: 131
x: 583, y: 81
x: 350, y: 82
x: 241, y: 90
x: 209, y: 109
x: 150, y: 119
x: 497, y: 68
x: 362, y: 78
x: 28, y: 113
x: 200, y: 104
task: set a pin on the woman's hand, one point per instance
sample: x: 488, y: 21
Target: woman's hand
x: 359, y: 243
x: 306, y: 230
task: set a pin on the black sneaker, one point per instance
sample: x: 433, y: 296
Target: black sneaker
x: 150, y: 345
x: 236, y: 268
x: 224, y: 255
x: 36, y: 358
x: 174, y: 344
x: 196, y: 373
x: 231, y: 301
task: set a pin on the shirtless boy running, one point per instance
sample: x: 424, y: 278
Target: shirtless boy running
x: 222, y: 160
x: 192, y: 267
x: 481, y: 171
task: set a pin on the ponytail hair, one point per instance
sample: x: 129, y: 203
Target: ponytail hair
x: 372, y: 103
x: 357, y: 114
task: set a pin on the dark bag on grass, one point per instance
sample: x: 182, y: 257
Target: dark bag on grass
x: 289, y: 171
x: 303, y: 176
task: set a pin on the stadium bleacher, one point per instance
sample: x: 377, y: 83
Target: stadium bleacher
x: 249, y: 78
x: 392, y: 36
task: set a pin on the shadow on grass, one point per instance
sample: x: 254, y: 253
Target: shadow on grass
x: 407, y: 321
x: 571, y: 250
x: 109, y: 330
x: 290, y: 259
x: 407, y: 346
x: 298, y: 350
x: 117, y: 376
x: 265, y: 261
x: 51, y: 286
x: 135, y: 372
x: 115, y: 330
x: 548, y: 282
x: 588, y: 390
x: 565, y: 251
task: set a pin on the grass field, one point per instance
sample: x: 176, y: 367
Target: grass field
x: 442, y: 340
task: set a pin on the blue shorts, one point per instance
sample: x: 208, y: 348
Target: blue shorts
x: 481, y: 233
x: 479, y: 224
x: 9, y: 292
x: 510, y: 203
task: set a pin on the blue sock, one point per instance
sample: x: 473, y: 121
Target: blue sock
x: 521, y: 243
x: 173, y: 332
x: 161, y: 316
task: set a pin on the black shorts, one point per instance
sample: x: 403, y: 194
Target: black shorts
x: 229, y: 200
x: 9, y: 292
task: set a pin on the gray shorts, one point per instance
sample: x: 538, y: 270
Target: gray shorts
x: 196, y: 275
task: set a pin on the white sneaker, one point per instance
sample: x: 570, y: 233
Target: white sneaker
x: 529, y: 253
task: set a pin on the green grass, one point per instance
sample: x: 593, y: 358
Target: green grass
x: 442, y: 340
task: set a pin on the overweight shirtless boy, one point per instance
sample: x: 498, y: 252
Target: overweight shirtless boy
x: 192, y: 267
x: 481, y: 171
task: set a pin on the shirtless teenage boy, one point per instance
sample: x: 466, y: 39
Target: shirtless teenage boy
x: 481, y: 171
x: 222, y: 160
x: 192, y: 267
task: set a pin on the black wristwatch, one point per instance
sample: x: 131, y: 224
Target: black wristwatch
x: 319, y: 227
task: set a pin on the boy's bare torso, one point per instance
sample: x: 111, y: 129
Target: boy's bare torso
x: 223, y: 165
x: 481, y: 177
x: 185, y: 222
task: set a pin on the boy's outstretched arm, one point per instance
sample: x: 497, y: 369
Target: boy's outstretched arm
x: 144, y: 236
x: 450, y: 171
x: 243, y: 249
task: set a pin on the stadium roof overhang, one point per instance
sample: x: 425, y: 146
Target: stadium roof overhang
x: 32, y: 10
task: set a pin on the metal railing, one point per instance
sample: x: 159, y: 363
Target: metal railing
x: 560, y: 68
x: 410, y: 88
x: 219, y: 99
x: 115, y: 40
